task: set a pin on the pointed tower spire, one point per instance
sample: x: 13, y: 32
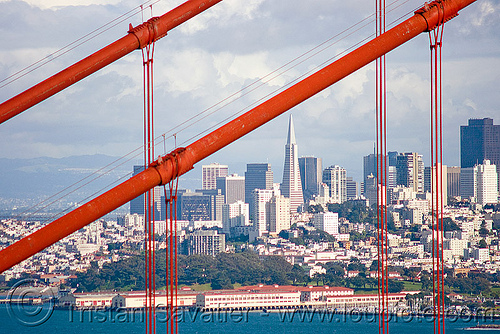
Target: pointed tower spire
x: 291, y: 132
x: 291, y: 186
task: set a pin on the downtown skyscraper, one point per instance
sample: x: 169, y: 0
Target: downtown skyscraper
x: 310, y: 174
x: 257, y: 176
x: 138, y: 205
x: 487, y: 183
x: 479, y: 141
x: 410, y: 171
x: 335, y: 177
x: 210, y: 173
x: 291, y: 186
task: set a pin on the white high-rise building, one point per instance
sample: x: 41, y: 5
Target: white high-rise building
x: 134, y: 221
x: 323, y: 197
x: 392, y: 176
x: 232, y: 187
x: 210, y: 173
x: 291, y: 186
x: 371, y: 189
x: 278, y: 214
x: 410, y: 171
x: 234, y: 214
x: 478, y: 183
x: 208, y: 242
x: 327, y: 221
x: 260, y: 197
x: 487, y: 183
x: 335, y: 178
x: 430, y: 182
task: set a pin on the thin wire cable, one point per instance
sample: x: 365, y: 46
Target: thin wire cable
x: 295, y: 63
x: 71, y: 46
x: 268, y: 95
x: 101, y: 172
x: 178, y: 128
x: 276, y: 91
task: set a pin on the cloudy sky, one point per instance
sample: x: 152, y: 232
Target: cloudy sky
x: 232, y: 45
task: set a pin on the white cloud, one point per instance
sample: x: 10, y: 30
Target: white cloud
x: 226, y: 48
x: 56, y: 4
x: 487, y: 8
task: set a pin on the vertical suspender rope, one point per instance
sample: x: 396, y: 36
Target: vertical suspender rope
x: 440, y: 184
x: 168, y: 219
x: 171, y: 251
x: 381, y: 154
x: 175, y: 232
x: 379, y: 220
x: 433, y: 185
x: 171, y: 263
x: 149, y: 157
x: 436, y: 111
x: 168, y: 257
x: 175, y: 249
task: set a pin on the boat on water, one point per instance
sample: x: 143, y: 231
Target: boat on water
x: 494, y: 327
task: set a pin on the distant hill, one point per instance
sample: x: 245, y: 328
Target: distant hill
x: 43, y: 177
x: 26, y: 182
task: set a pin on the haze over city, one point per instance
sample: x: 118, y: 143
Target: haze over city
x: 312, y: 223
x: 195, y: 68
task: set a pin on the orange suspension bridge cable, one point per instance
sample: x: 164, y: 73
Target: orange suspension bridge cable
x: 437, y: 199
x: 178, y: 129
x: 381, y: 155
x: 71, y: 46
x: 161, y: 171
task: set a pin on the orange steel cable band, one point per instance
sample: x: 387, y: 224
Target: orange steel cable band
x: 137, y: 38
x: 162, y: 171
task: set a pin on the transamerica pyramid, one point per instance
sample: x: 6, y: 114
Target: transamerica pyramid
x: 291, y: 186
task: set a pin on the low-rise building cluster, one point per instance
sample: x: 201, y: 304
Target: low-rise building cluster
x: 256, y: 297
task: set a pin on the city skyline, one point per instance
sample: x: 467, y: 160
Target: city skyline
x: 71, y: 123
x: 218, y: 66
x: 368, y: 162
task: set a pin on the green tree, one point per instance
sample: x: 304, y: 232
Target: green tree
x: 425, y: 278
x: 354, y: 211
x: 198, y: 269
x: 221, y: 281
x: 358, y: 281
x: 395, y: 286
x: 483, y: 231
x: 276, y: 270
x: 450, y: 225
x: 298, y: 274
x: 315, y: 208
x: 335, y: 273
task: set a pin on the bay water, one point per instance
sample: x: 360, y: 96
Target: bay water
x: 44, y: 320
